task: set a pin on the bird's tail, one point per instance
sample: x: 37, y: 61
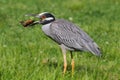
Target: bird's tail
x: 93, y: 48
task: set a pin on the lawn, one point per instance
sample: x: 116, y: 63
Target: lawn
x: 27, y: 54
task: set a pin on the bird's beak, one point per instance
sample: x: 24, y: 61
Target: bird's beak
x: 39, y: 16
x: 33, y: 15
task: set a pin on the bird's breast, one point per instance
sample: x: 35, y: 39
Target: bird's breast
x: 46, y: 29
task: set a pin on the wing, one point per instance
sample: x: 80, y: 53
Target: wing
x: 64, y: 32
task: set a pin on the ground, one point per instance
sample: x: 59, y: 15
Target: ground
x: 27, y: 54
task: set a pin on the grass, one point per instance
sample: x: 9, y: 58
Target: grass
x: 27, y: 54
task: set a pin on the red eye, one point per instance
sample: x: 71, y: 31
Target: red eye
x: 43, y: 17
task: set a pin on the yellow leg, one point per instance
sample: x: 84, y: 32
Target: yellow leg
x: 65, y: 63
x: 64, y: 57
x: 72, y: 64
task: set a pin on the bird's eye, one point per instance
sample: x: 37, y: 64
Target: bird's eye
x: 43, y: 17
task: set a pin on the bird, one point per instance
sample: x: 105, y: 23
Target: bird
x: 67, y: 35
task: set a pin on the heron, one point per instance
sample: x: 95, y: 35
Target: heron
x: 69, y: 36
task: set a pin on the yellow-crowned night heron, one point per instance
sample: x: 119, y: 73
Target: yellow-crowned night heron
x: 67, y: 35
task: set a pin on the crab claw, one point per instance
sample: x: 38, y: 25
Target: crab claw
x: 27, y: 23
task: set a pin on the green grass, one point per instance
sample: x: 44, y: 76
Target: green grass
x: 27, y: 54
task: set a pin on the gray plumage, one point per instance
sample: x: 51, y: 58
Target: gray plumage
x: 71, y: 36
x: 67, y: 35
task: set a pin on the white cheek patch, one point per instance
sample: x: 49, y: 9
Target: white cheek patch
x: 48, y: 19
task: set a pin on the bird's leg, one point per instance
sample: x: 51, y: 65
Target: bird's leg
x: 64, y: 57
x: 72, y: 63
x: 65, y: 63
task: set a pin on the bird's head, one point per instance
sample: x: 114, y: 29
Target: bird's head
x: 43, y: 18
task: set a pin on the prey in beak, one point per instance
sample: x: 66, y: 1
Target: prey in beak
x: 27, y: 22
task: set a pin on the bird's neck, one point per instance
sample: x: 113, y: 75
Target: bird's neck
x: 46, y: 28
